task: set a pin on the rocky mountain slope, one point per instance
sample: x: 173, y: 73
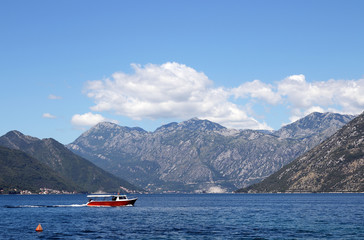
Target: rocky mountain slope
x: 19, y: 171
x: 81, y: 172
x: 199, y: 155
x: 336, y: 165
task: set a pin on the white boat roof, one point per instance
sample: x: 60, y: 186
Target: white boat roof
x: 104, y: 196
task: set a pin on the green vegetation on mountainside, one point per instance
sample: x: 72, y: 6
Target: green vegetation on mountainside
x: 21, y: 172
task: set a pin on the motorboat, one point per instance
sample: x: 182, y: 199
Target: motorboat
x: 110, y: 200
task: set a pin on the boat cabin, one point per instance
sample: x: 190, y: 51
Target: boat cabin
x: 118, y: 198
x: 107, y: 198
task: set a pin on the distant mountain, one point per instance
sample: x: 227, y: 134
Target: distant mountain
x: 199, y: 155
x: 336, y: 165
x: 313, y: 123
x: 19, y: 171
x: 307, y: 128
x: 193, y: 124
x: 71, y: 167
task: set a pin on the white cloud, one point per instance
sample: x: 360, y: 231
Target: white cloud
x: 344, y: 96
x: 176, y: 91
x: 54, y: 97
x: 259, y: 90
x: 170, y: 90
x: 48, y: 115
x: 303, y: 98
x: 89, y: 119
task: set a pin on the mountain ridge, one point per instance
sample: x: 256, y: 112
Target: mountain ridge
x: 196, y: 155
x: 303, y: 127
x: 335, y: 165
x: 87, y: 176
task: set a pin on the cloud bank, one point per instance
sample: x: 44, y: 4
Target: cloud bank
x: 170, y: 90
x: 302, y: 97
x: 174, y: 90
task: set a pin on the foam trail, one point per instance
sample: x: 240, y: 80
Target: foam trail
x: 72, y: 205
x: 45, y: 206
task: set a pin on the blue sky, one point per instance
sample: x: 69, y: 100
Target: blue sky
x: 66, y: 65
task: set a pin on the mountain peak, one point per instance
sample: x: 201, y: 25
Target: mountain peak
x: 114, y: 126
x: 103, y: 125
x: 16, y: 140
x: 313, y: 123
x: 17, y: 134
x: 195, y: 124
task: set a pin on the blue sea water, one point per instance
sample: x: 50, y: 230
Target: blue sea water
x: 186, y: 216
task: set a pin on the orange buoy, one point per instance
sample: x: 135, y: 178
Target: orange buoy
x: 39, y: 228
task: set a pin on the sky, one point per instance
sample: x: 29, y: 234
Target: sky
x: 68, y: 65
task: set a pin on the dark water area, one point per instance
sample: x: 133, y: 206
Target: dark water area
x: 186, y: 216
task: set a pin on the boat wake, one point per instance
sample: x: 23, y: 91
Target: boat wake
x: 45, y: 206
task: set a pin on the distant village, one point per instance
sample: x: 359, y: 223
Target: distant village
x: 41, y: 191
x: 53, y: 191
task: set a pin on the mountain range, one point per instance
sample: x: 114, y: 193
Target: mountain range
x: 335, y: 165
x: 199, y: 155
x: 75, y: 172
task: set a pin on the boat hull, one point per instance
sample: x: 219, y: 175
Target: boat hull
x: 127, y: 202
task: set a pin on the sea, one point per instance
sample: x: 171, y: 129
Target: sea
x: 186, y: 216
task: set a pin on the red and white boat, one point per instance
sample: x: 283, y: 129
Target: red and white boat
x: 110, y: 200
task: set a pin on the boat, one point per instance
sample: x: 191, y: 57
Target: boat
x: 112, y: 200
